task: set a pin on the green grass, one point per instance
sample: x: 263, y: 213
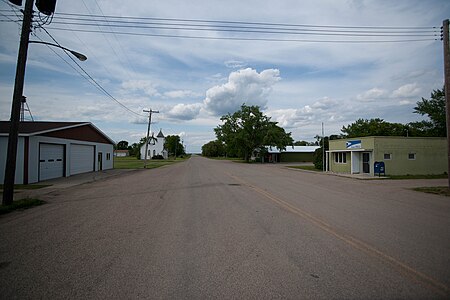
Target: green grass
x: 435, y: 176
x: 438, y: 190
x: 134, y: 163
x: 308, y: 168
x: 27, y: 186
x: 20, y: 205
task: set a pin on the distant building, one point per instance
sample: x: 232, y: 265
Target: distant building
x: 400, y: 155
x: 48, y: 150
x: 290, y: 154
x: 121, y: 153
x: 155, y: 147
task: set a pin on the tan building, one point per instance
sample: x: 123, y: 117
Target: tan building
x: 401, y: 155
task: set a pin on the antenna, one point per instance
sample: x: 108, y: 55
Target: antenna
x: 23, y: 109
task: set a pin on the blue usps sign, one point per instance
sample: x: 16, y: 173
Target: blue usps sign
x: 355, y: 144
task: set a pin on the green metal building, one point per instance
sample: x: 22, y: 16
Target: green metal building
x: 400, y: 155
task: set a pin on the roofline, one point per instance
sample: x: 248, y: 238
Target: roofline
x: 63, y: 128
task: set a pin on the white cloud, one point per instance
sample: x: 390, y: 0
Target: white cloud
x: 140, y: 85
x: 243, y: 86
x: 180, y: 94
x: 235, y: 64
x: 184, y: 111
x: 371, y: 95
x: 407, y: 90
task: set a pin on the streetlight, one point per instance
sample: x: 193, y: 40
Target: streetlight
x: 78, y: 55
x: 13, y: 137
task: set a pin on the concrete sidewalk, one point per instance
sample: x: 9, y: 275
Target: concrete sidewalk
x: 62, y: 183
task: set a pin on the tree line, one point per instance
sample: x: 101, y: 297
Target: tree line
x: 248, y: 131
x: 172, y: 144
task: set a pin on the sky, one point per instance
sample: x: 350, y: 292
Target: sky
x: 193, y: 77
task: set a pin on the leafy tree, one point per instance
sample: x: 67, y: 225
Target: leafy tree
x: 248, y: 130
x: 213, y: 149
x: 304, y: 143
x: 134, y: 150
x: 434, y: 108
x: 173, y: 145
x: 122, y: 145
x: 373, y: 127
x: 318, y: 153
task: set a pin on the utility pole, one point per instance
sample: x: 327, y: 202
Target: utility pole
x: 148, y: 133
x: 11, y: 155
x: 323, y: 150
x: 447, y: 88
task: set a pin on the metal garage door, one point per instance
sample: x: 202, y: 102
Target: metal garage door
x: 81, y: 159
x: 51, y: 161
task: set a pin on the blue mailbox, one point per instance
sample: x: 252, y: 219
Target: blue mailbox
x: 379, y: 168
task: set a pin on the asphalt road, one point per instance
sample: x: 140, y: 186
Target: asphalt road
x: 217, y: 229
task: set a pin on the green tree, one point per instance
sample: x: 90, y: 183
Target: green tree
x: 373, y: 127
x: 173, y: 145
x: 304, y: 143
x: 122, y: 145
x: 249, y: 130
x: 213, y: 149
x: 434, y: 108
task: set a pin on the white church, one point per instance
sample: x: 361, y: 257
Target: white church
x: 155, y: 147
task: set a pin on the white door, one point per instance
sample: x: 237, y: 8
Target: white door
x: 81, y: 159
x: 51, y: 161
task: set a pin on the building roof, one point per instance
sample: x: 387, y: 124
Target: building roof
x: 294, y: 149
x: 54, y: 129
x: 160, y: 134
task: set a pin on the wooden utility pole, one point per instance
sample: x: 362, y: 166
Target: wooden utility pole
x: 148, y: 133
x: 447, y: 88
x: 11, y: 155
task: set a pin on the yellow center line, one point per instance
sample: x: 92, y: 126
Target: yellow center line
x: 406, y: 270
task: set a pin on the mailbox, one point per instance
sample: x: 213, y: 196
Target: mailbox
x: 379, y: 168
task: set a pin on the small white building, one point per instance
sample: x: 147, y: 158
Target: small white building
x: 121, y: 153
x: 48, y: 150
x: 155, y: 147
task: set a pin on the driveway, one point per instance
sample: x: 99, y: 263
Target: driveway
x: 218, y: 229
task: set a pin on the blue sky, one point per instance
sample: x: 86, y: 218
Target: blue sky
x: 192, y: 82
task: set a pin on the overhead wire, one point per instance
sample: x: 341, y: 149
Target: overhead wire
x: 91, y: 79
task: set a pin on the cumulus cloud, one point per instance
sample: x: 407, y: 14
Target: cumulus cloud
x: 323, y: 109
x: 243, y: 86
x: 407, y: 90
x: 141, y: 85
x: 371, y: 95
x: 184, y: 112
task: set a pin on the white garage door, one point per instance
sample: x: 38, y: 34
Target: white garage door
x: 51, y: 161
x: 81, y: 159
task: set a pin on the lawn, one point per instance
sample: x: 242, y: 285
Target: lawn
x: 134, y: 163
x: 27, y: 186
x: 438, y: 190
x: 308, y: 168
x: 20, y: 205
x: 435, y: 176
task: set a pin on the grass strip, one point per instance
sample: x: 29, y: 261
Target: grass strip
x: 437, y: 190
x: 307, y: 168
x: 20, y: 205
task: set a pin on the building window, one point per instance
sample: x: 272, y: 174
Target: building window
x: 387, y: 156
x: 340, y: 158
x: 148, y: 153
x: 411, y: 156
x: 108, y: 156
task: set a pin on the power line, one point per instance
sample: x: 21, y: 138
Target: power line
x: 262, y: 30
x: 249, y: 23
x: 247, y: 39
x: 92, y: 80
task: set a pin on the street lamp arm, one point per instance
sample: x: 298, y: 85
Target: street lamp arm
x: 78, y: 55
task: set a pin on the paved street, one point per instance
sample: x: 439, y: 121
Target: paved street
x: 217, y: 229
